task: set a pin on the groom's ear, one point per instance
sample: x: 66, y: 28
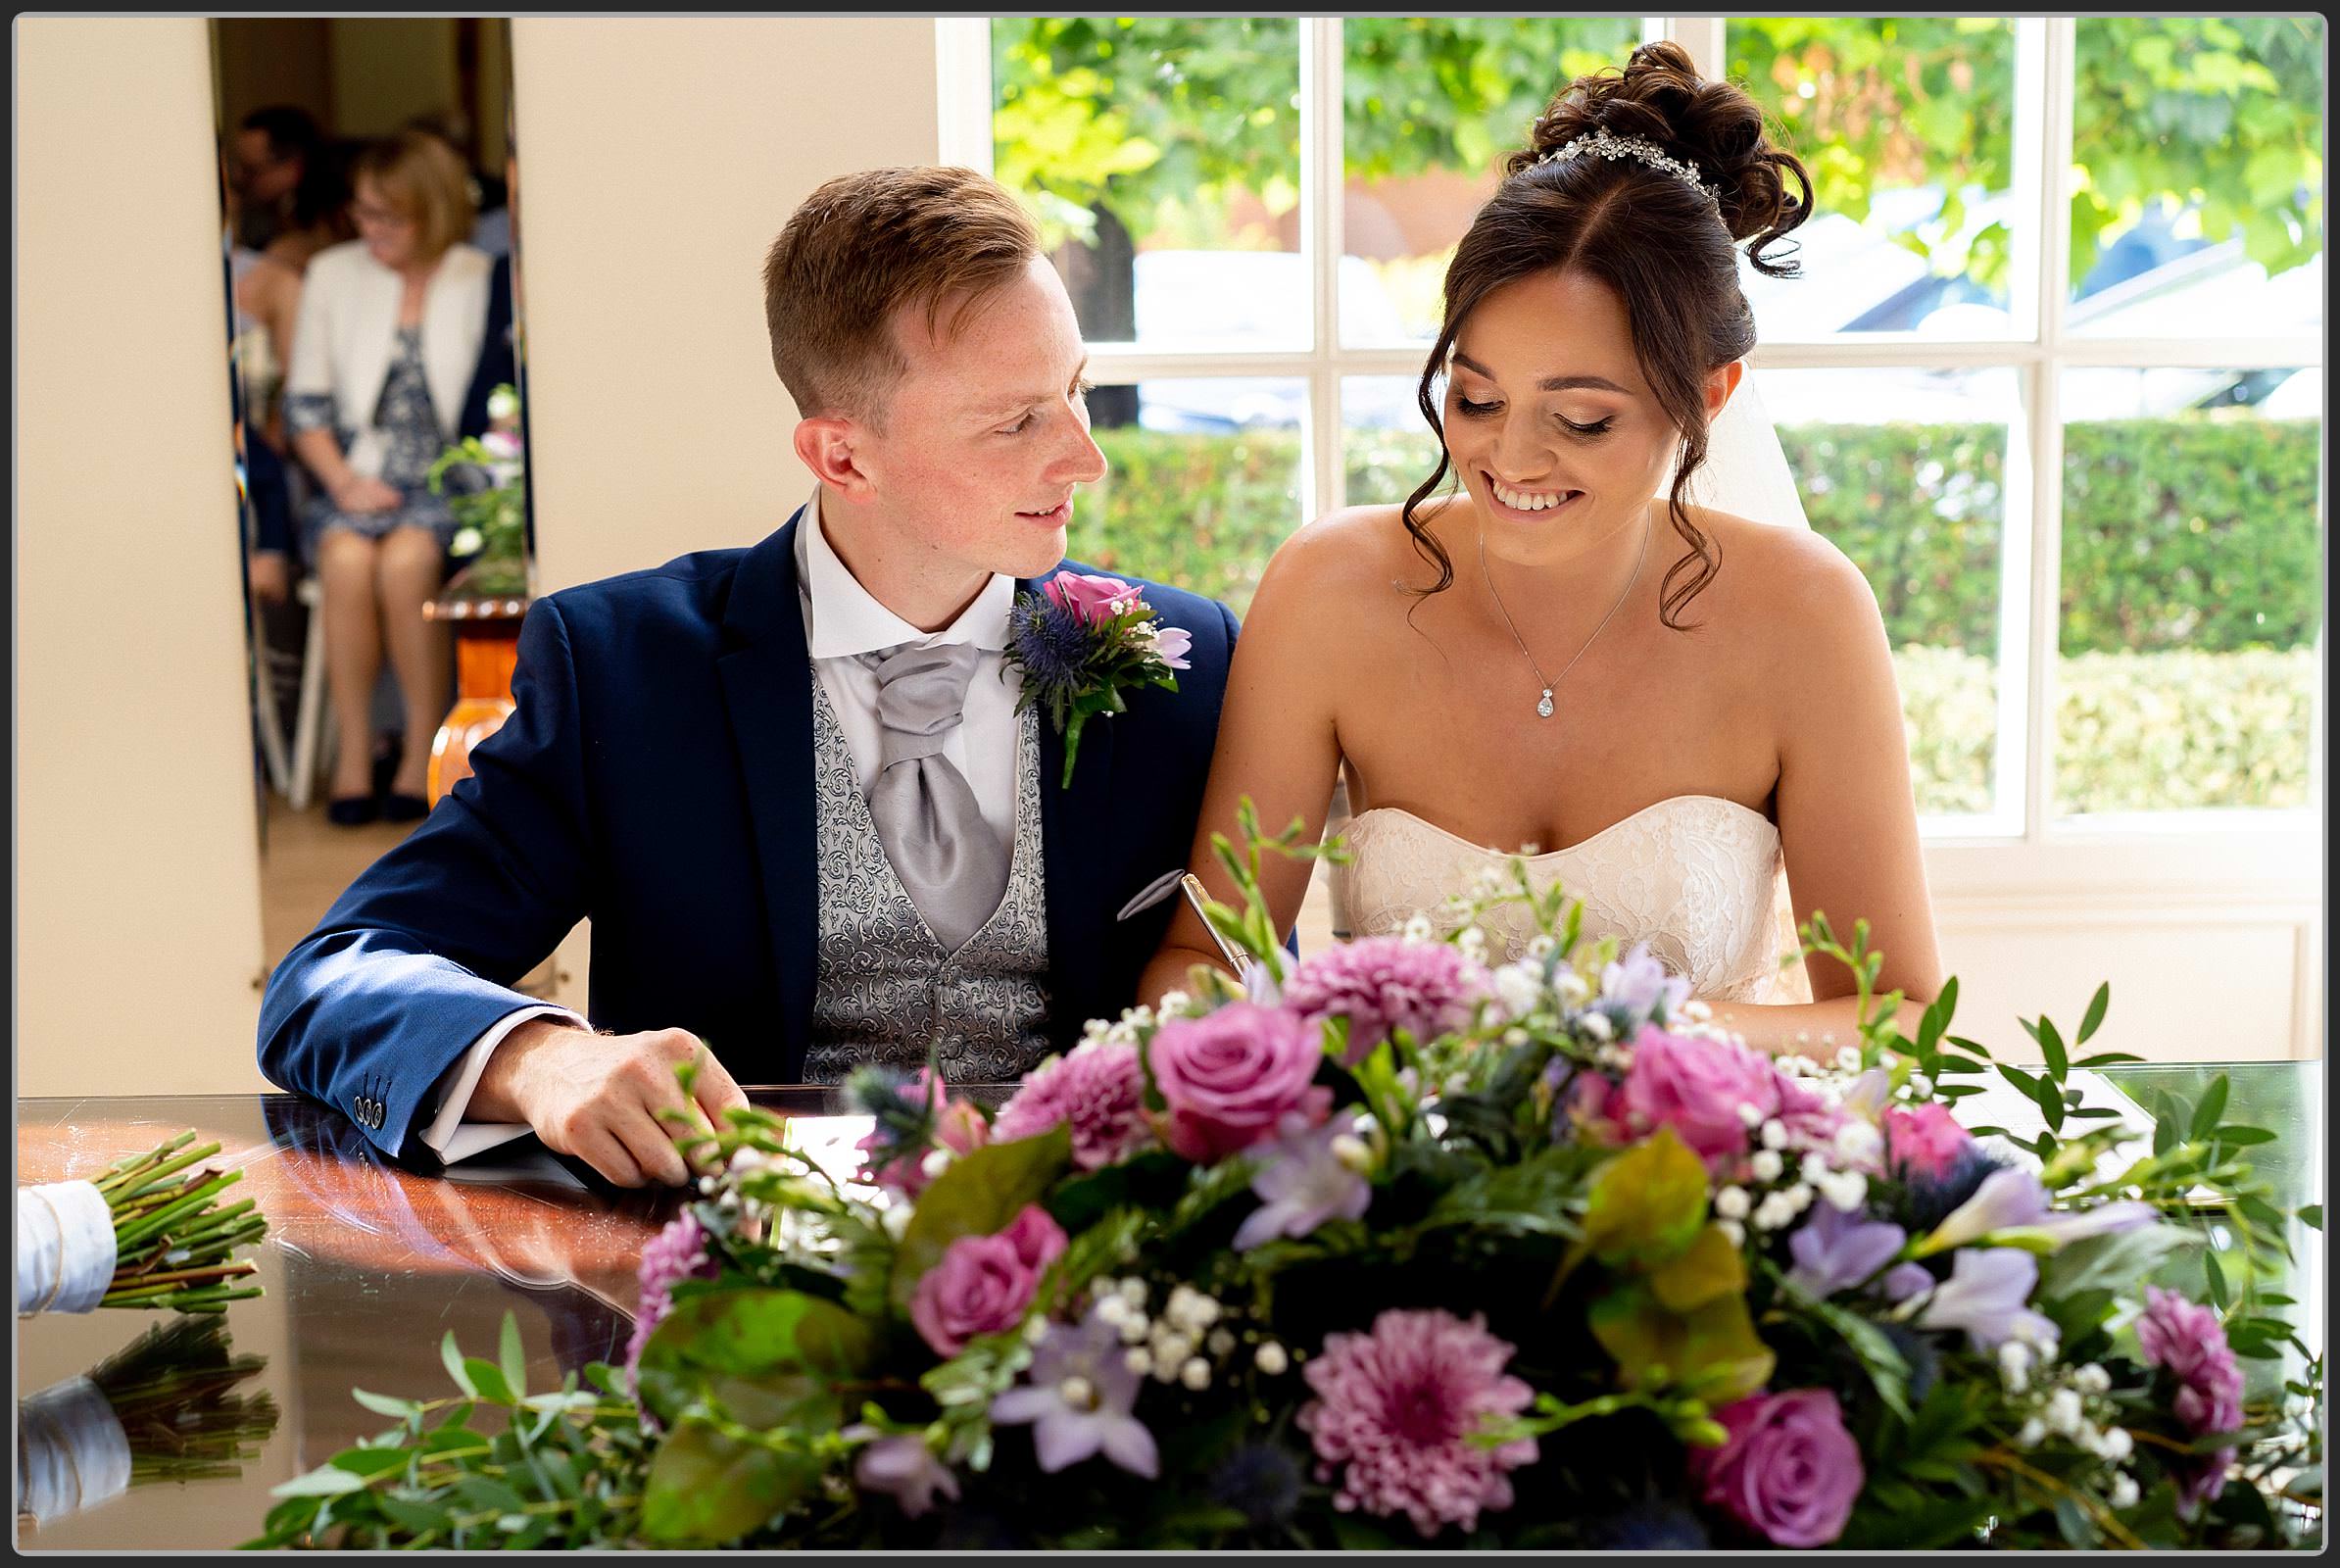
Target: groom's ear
x: 1721, y: 382
x: 829, y: 445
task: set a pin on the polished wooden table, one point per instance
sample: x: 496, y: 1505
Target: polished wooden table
x: 367, y: 1266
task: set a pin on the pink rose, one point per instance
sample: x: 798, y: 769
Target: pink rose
x: 959, y: 1127
x: 1090, y: 599
x: 1228, y: 1077
x: 983, y: 1283
x: 1790, y: 1471
x: 1695, y: 1087
x: 1923, y: 1139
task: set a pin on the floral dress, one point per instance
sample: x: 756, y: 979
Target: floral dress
x: 412, y: 441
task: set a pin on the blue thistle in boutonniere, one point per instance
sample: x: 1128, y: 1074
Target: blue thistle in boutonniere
x: 1080, y: 643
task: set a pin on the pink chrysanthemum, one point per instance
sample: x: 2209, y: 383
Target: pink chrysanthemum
x: 1382, y: 983
x: 1099, y: 1089
x: 1394, y: 1411
x: 676, y: 1254
x: 2188, y: 1339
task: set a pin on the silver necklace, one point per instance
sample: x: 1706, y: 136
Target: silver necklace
x: 1544, y: 704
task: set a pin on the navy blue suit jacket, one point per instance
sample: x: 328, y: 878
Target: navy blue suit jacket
x: 657, y: 776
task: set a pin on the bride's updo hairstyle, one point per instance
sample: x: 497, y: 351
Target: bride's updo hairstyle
x: 1668, y: 254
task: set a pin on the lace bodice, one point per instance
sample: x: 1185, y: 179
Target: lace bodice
x: 1695, y: 876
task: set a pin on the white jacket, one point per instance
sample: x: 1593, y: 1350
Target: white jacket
x: 347, y: 335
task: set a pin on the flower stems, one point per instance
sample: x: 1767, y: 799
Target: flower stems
x: 171, y: 1240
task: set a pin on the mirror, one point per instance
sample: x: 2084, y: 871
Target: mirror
x: 369, y: 248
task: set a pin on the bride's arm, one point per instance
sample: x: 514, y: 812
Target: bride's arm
x: 1276, y: 744
x: 1848, y: 818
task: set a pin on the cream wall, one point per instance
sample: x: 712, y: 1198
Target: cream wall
x: 657, y: 160
x: 660, y: 159
x: 137, y: 917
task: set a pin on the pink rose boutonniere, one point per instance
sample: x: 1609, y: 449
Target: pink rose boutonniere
x: 1081, y: 641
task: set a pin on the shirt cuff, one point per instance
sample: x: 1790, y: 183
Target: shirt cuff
x: 449, y: 1135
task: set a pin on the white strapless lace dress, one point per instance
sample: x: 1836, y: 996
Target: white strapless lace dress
x: 1696, y: 877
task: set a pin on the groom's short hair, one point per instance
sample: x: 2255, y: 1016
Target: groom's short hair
x: 864, y: 248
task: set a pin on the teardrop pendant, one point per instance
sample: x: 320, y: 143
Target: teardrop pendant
x: 1543, y: 709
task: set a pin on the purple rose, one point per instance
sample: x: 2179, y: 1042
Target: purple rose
x: 1695, y: 1087
x: 1924, y: 1141
x: 1788, y: 1470
x: 983, y: 1283
x: 1089, y: 600
x: 1230, y: 1077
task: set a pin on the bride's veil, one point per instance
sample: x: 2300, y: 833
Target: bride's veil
x: 1746, y: 474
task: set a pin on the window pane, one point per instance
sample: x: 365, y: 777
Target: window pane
x: 2192, y: 593
x: 1386, y: 448
x: 1203, y: 483
x: 1906, y: 126
x: 2197, y: 175
x: 1431, y: 107
x: 1904, y: 471
x: 1162, y: 158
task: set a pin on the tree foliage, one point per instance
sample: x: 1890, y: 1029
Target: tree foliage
x: 1163, y: 120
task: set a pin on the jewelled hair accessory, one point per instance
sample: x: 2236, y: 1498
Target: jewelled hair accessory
x: 1602, y: 144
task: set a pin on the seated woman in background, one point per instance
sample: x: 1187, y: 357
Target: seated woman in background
x: 389, y: 333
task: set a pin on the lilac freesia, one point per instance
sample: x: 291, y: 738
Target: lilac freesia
x: 1988, y: 1295
x: 1171, y: 645
x: 902, y: 1467
x: 1640, y: 987
x: 1303, y: 1183
x: 1834, y: 1252
x: 2011, y: 1206
x: 1905, y: 1280
x: 1079, y: 1401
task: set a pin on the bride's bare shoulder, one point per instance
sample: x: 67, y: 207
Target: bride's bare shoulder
x: 1361, y: 553
x: 1789, y: 572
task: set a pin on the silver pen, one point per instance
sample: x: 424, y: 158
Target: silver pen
x: 1192, y: 886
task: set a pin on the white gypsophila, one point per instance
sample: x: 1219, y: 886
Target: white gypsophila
x: 1845, y: 1190
x: 1598, y: 1025
x: 1139, y: 1360
x: 2091, y: 1378
x: 1196, y: 1374
x: 1572, y: 987
x: 1750, y: 1115
x: 1543, y: 945
x: 1416, y: 929
x: 1472, y: 942
x: 2125, y: 1491
x: 1765, y: 1165
x: 1772, y: 1212
x: 1920, y: 1085
x: 2031, y: 1434
x: 1733, y: 1231
x: 1270, y: 1359
x: 1799, y: 1196
x: 1858, y: 1142
x: 1519, y: 987
x: 1174, y: 1004
x: 1696, y: 1012
x: 1848, y: 1059
x: 1135, y: 1329
x: 2116, y: 1444
x: 1774, y: 1135
x: 1814, y: 1167
x: 1036, y: 1328
x: 1731, y: 1202
x: 2064, y: 1413
x: 1220, y: 1343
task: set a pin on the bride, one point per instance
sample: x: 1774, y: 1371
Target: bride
x: 1670, y: 709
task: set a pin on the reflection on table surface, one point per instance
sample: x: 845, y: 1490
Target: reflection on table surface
x: 368, y: 1265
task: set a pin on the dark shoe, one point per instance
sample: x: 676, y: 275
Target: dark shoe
x: 353, y: 810
x: 397, y: 808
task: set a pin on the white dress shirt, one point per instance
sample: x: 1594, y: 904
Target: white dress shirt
x: 842, y: 620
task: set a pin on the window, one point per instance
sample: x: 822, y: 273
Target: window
x: 2053, y: 377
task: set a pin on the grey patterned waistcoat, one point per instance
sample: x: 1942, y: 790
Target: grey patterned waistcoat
x: 884, y: 985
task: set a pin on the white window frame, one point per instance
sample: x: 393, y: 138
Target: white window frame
x: 2018, y: 850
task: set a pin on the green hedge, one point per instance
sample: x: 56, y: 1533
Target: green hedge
x: 2171, y: 730
x: 2199, y: 534
x: 2192, y: 580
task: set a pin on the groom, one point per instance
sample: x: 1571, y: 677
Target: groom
x: 788, y: 783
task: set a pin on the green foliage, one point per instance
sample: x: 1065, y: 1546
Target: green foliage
x: 2191, y: 582
x: 977, y: 1195
x: 1163, y: 120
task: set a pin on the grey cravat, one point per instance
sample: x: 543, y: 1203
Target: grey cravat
x: 951, y: 862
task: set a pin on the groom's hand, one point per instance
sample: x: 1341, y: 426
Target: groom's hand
x: 597, y: 1097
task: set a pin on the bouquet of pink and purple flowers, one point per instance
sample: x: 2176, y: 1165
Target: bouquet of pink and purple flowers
x: 1403, y: 1245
